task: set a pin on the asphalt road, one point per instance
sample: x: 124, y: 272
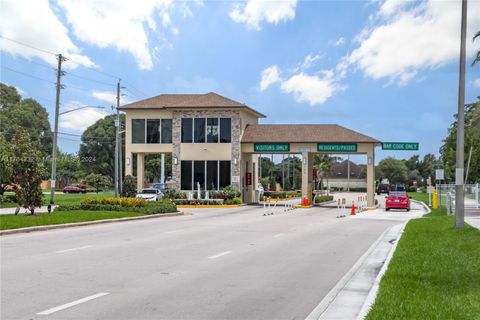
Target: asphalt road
x: 213, y: 264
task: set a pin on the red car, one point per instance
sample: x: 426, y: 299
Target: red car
x: 397, y: 200
x: 74, y: 189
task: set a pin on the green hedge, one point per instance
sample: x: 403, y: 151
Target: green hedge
x: 195, y: 202
x: 281, y: 194
x: 162, y: 206
x: 8, y: 198
x: 323, y: 199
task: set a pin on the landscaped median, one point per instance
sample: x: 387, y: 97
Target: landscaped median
x: 434, y: 272
x: 90, y: 210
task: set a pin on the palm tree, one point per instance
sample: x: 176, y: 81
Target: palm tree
x: 477, y: 58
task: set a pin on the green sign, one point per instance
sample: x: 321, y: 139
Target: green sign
x: 337, y: 147
x: 399, y: 145
x: 272, y: 147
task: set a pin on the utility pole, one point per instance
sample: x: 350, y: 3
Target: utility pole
x: 55, y: 132
x: 459, y: 191
x: 117, y: 147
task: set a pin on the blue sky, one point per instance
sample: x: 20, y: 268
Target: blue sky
x: 388, y: 69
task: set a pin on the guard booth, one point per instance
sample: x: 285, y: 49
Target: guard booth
x: 305, y: 140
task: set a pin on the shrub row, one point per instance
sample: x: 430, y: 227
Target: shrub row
x: 8, y: 198
x: 196, y: 202
x: 323, y: 199
x: 227, y: 193
x: 122, y: 202
x: 281, y: 194
x: 163, y: 206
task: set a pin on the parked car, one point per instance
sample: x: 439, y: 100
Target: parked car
x: 399, y: 187
x: 74, y: 189
x: 397, y: 200
x: 150, y: 194
x: 160, y: 186
x: 383, y: 188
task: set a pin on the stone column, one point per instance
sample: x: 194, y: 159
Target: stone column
x: 128, y: 163
x: 140, y: 170
x: 236, y: 153
x: 371, y: 176
x: 176, y: 140
x: 307, y: 175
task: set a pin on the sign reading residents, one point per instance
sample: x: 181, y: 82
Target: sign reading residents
x: 399, y: 145
x: 272, y: 147
x: 337, y: 147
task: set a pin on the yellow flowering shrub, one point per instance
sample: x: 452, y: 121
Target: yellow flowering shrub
x: 122, y: 202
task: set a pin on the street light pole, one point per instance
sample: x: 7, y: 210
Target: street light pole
x: 459, y: 191
x: 55, y: 130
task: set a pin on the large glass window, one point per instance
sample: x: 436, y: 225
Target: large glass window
x: 212, y: 175
x: 199, y: 174
x: 153, y: 131
x: 187, y: 129
x: 166, y: 130
x: 138, y: 130
x: 225, y: 130
x: 212, y: 130
x: 224, y: 173
x: 199, y: 130
x: 186, y: 175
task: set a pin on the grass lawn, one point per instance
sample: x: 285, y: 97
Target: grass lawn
x: 22, y: 221
x: 63, y: 198
x: 434, y: 273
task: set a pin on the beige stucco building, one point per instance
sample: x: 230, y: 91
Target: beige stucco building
x: 215, y: 142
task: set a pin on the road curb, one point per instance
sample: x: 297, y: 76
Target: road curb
x: 372, y: 295
x: 86, y: 223
x: 427, y: 208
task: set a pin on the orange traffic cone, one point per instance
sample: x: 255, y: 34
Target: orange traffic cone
x: 352, y: 212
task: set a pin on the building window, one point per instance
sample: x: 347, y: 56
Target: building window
x: 225, y: 130
x: 153, y: 131
x: 212, y: 175
x: 186, y: 175
x: 138, y: 130
x: 187, y: 129
x: 199, y: 174
x: 199, y: 130
x: 166, y: 130
x: 224, y: 172
x: 212, y: 130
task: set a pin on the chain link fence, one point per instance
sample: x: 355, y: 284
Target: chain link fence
x: 446, y: 197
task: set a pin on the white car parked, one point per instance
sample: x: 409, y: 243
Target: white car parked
x: 150, y: 194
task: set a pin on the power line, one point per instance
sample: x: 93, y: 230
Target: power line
x: 26, y: 74
x: 89, y: 79
x: 139, y: 91
x: 29, y: 46
x: 37, y: 63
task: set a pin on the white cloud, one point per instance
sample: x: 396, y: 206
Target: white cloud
x: 254, y: 12
x: 310, y: 88
x: 309, y: 61
x: 269, y: 76
x: 119, y: 24
x: 34, y: 23
x: 476, y: 82
x: 408, y: 37
x: 175, y: 31
x: 340, y: 41
x: 81, y: 119
x: 109, y: 97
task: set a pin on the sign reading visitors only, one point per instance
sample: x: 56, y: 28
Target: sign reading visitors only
x: 399, y: 145
x: 337, y: 147
x: 272, y: 147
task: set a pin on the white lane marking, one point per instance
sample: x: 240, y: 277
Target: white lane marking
x: 279, y: 235
x: 73, y: 303
x: 219, y: 255
x: 73, y: 249
x: 175, y: 231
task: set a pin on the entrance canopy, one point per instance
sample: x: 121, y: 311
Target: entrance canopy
x: 300, y: 138
x: 308, y: 139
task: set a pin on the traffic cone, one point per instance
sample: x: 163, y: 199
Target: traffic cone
x: 352, y: 212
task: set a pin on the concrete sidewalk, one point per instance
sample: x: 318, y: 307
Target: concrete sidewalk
x: 23, y: 210
x: 354, y: 294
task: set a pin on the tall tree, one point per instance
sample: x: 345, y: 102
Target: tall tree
x: 472, y: 140
x: 6, y: 163
x: 28, y: 171
x: 97, y: 150
x: 394, y: 170
x: 28, y: 114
